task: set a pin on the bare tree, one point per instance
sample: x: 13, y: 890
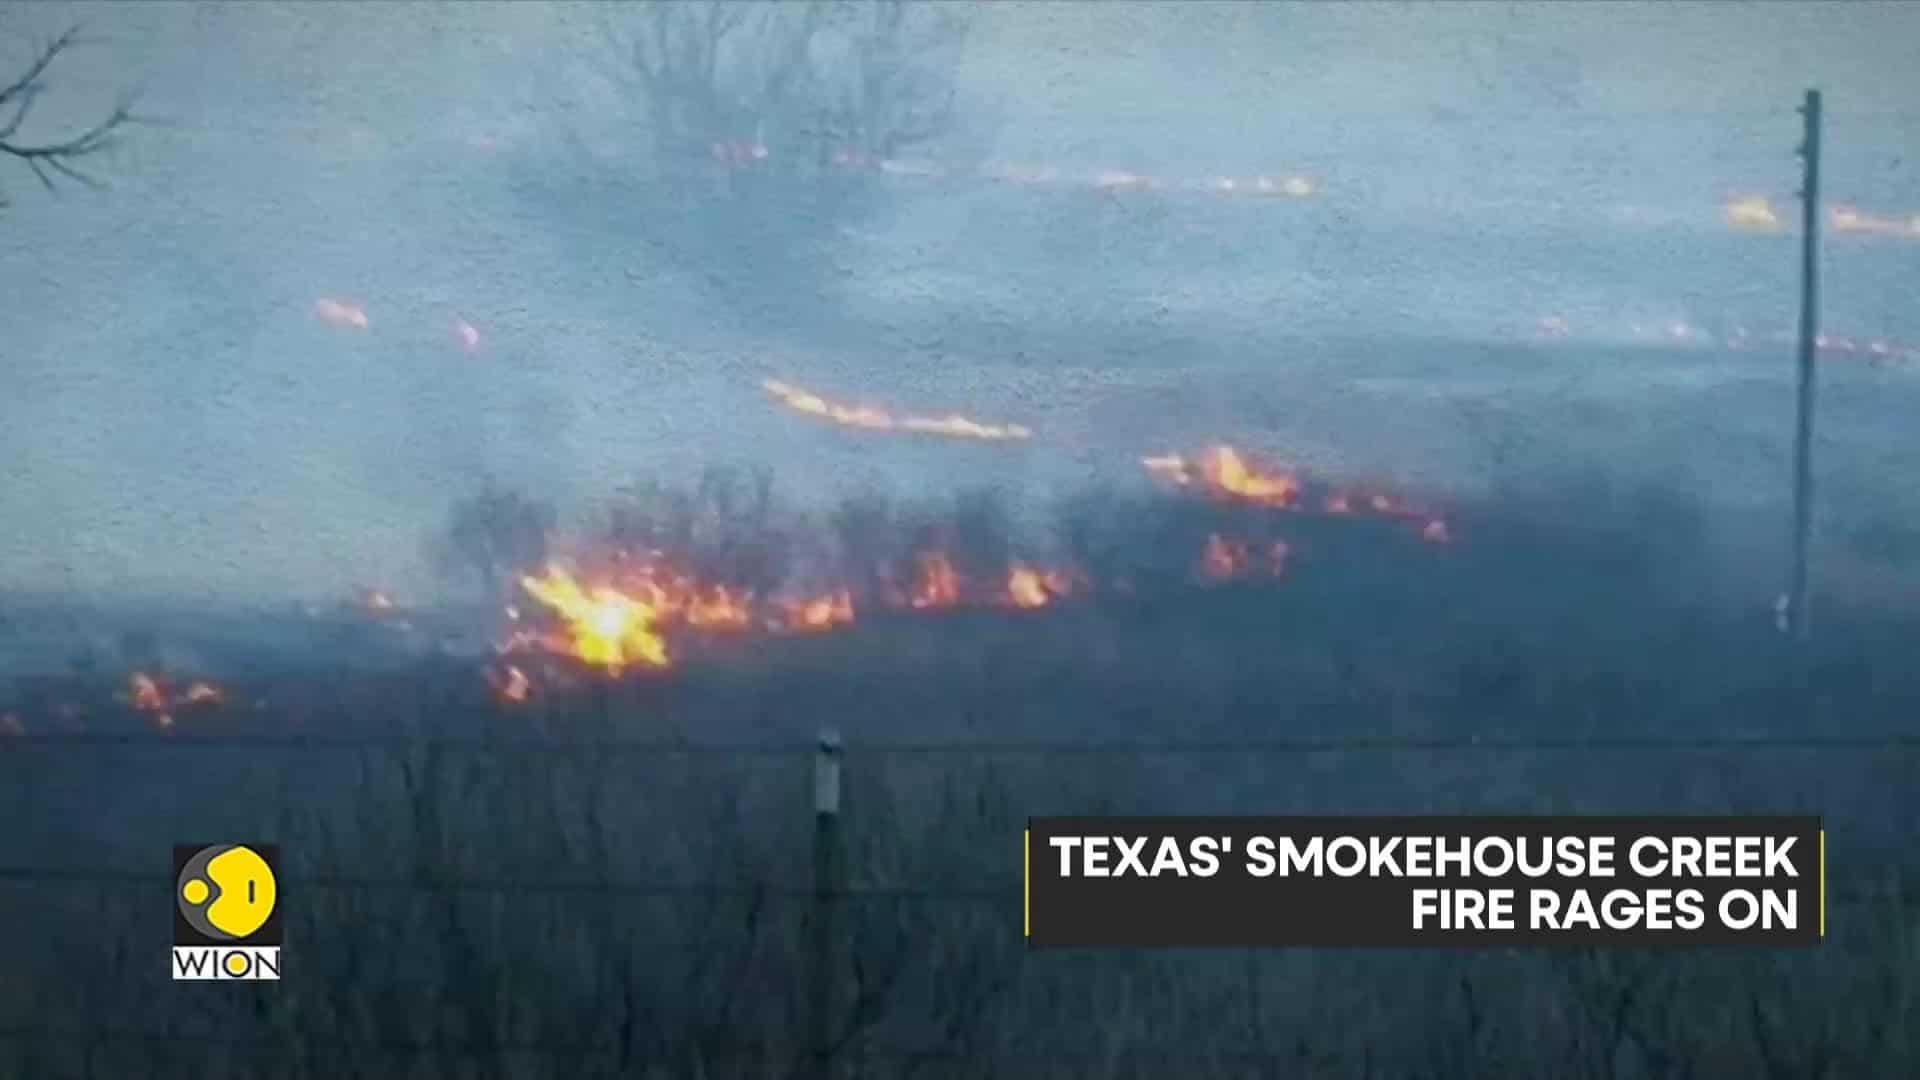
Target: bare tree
x: 493, y: 536
x: 792, y: 88
x: 59, y: 157
x: 768, y: 125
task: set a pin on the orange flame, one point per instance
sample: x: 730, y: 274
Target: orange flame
x: 1031, y: 588
x: 1223, y: 559
x: 1227, y: 473
x: 606, y: 627
x: 936, y: 585
x: 718, y: 608
x: 511, y: 684
x: 818, y: 613
x: 875, y: 419
x: 150, y: 695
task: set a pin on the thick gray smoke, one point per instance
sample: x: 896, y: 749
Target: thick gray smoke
x: 539, y: 309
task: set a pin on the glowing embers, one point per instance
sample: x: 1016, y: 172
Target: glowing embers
x: 1227, y: 559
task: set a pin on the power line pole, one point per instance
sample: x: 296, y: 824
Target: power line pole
x: 1809, y: 333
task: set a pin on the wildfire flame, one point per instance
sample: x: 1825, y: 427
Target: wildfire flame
x: 1852, y: 219
x: 936, y: 584
x: 605, y: 626
x: 1226, y: 472
x: 1029, y: 587
x: 875, y: 419
x: 511, y: 684
x: 629, y: 609
x: 144, y: 693
x: 151, y: 695
x: 717, y: 608
x: 1223, y: 559
x: 1752, y: 212
x: 203, y: 693
x: 1026, y: 589
x: 627, y: 618
x: 341, y: 314
x: 817, y: 613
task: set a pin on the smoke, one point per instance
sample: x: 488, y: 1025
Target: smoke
x: 189, y: 424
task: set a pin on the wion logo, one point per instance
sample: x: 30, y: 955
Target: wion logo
x: 226, y: 912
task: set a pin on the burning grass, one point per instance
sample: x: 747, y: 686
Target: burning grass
x: 1558, y: 618
x: 157, y: 699
x: 872, y: 418
x: 623, y: 610
x: 1226, y: 474
x: 625, y: 599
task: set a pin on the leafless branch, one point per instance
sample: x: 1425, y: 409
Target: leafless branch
x: 794, y: 76
x: 61, y: 157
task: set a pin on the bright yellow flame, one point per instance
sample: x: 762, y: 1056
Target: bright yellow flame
x: 1227, y: 470
x: 606, y: 627
x: 1224, y: 471
x: 1027, y: 588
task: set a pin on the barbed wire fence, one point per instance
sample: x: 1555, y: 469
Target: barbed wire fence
x: 823, y: 898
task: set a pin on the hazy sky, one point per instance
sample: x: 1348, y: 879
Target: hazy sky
x: 175, y: 417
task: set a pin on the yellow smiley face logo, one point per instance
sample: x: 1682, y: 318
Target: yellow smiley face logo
x: 226, y: 891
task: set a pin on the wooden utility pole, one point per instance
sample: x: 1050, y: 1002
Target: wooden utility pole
x: 1809, y: 335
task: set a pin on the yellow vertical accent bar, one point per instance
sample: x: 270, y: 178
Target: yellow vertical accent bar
x: 1823, y: 883
x: 1026, y: 885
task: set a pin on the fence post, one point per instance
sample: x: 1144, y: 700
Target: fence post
x: 826, y: 880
